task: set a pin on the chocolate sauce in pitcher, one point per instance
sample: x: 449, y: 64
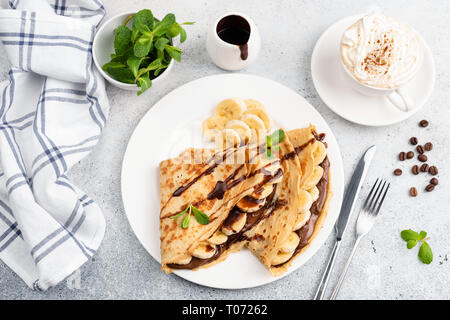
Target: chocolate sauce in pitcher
x: 235, y: 30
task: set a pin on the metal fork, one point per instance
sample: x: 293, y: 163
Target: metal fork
x: 366, y: 219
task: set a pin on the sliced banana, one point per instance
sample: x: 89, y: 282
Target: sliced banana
x: 218, y: 238
x: 244, y: 131
x: 314, y: 178
x: 319, y: 153
x: 236, y: 226
x: 231, y: 108
x: 291, y: 243
x: 254, y: 104
x: 263, y: 192
x: 227, y: 138
x: 281, y: 257
x: 185, y: 259
x: 314, y: 192
x: 212, y: 125
x: 260, y: 114
x: 303, y: 220
x: 204, y: 251
x: 257, y: 126
x: 249, y: 206
x: 305, y: 201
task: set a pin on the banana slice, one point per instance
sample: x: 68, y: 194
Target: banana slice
x: 212, y: 125
x: 263, y: 192
x: 254, y: 104
x: 291, y: 243
x: 303, y: 220
x: 314, y: 192
x: 319, y: 153
x: 218, y: 238
x: 305, y: 201
x: 250, y: 205
x: 244, y: 131
x: 185, y: 259
x: 314, y: 178
x: 281, y: 257
x: 227, y: 138
x: 260, y: 114
x: 231, y: 108
x: 257, y: 126
x: 236, y: 226
x: 204, y: 251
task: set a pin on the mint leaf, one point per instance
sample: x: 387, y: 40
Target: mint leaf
x: 278, y: 136
x: 133, y: 63
x: 422, y: 235
x: 122, y: 39
x: 201, y: 217
x: 113, y: 64
x: 156, y: 64
x: 173, y: 52
x: 174, y: 30
x: 143, y: 46
x: 183, y: 35
x: 121, y: 74
x: 411, y: 244
x: 186, y: 220
x: 425, y: 253
x: 410, y: 235
x: 160, y: 43
x: 144, y: 82
x: 143, y: 22
x: 164, y: 25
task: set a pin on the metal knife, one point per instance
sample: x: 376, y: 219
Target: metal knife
x: 348, y: 204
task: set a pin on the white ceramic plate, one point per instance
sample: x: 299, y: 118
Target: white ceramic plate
x: 173, y: 124
x: 336, y: 91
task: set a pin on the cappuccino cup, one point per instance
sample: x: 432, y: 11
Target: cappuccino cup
x: 380, y: 55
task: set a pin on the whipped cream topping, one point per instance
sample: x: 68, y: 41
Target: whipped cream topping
x: 381, y: 51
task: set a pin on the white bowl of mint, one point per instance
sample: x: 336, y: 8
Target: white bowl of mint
x: 135, y: 50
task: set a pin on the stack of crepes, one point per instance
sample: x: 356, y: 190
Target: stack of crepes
x: 274, y: 205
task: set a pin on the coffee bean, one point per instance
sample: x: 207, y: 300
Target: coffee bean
x: 415, y: 169
x: 424, y: 167
x: 409, y: 155
x: 422, y: 158
x: 413, y: 141
x: 413, y: 192
x: 398, y: 172
x: 424, y: 123
x: 434, y: 181
x: 429, y: 187
x: 420, y: 149
x: 401, y: 156
x: 428, y: 146
x: 433, y: 170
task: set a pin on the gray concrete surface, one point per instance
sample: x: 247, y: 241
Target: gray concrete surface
x: 382, y: 268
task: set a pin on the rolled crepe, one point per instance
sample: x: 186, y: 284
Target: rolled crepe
x: 302, y: 203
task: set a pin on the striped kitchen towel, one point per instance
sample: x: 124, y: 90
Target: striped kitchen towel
x: 53, y: 108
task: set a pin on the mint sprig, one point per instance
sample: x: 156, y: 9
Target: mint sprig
x: 412, y: 238
x: 200, y: 216
x: 273, y: 141
x: 143, y: 52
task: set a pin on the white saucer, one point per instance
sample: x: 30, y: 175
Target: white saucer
x: 335, y: 89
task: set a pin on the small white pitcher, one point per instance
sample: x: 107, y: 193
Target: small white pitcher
x: 230, y: 56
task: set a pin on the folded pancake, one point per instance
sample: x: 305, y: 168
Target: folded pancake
x: 301, y: 205
x: 218, y: 186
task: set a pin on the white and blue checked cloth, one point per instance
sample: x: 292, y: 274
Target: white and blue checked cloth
x: 53, y: 108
